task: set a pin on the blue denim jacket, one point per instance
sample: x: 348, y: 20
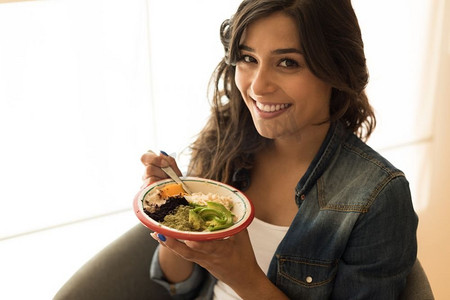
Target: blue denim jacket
x: 354, y: 235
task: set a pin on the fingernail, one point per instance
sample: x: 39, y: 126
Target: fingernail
x: 163, y: 153
x: 161, y: 237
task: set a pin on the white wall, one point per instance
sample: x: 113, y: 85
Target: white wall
x: 434, y: 221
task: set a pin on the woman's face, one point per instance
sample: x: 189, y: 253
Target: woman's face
x: 284, y: 98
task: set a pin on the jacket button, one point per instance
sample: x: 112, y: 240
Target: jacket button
x: 309, y: 279
x: 302, y: 197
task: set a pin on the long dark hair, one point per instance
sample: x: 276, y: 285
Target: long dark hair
x: 333, y: 49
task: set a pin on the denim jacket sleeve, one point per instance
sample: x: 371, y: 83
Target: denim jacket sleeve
x: 382, y: 247
x: 187, y: 289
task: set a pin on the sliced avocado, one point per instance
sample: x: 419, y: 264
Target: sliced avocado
x: 213, y: 216
x: 195, y: 220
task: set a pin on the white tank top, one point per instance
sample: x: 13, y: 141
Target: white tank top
x: 265, y: 238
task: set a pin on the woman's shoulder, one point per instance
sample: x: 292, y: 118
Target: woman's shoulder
x: 359, y: 156
x: 357, y: 175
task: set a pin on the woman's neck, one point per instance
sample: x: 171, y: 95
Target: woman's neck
x: 299, y: 149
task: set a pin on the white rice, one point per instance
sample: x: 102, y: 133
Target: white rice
x: 201, y: 199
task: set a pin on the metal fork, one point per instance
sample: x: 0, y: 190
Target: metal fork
x: 169, y: 171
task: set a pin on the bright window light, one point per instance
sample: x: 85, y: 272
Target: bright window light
x: 74, y: 109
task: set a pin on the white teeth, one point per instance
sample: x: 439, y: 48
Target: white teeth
x: 271, y: 108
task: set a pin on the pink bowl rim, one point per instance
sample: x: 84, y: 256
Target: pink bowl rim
x: 186, y: 235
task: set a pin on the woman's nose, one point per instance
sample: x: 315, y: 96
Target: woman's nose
x: 262, y: 82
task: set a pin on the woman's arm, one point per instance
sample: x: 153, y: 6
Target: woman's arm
x: 174, y: 268
x: 382, y: 247
x: 232, y: 261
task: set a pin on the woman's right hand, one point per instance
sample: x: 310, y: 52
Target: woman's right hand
x: 153, y: 163
x: 174, y: 267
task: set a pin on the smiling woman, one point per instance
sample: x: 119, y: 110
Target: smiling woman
x: 283, y: 96
x: 75, y: 82
x: 303, y: 164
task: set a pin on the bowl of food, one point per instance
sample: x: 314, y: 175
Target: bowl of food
x: 211, y: 211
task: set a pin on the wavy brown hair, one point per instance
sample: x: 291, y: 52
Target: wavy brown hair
x: 333, y: 49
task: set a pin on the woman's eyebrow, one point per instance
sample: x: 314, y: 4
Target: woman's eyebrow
x: 246, y: 48
x: 276, y: 51
x: 287, y: 50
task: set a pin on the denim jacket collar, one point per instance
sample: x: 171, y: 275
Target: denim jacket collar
x: 336, y: 134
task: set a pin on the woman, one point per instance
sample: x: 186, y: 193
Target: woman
x: 334, y: 219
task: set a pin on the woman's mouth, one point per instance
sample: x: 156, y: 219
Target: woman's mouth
x: 270, y: 110
x: 271, y: 107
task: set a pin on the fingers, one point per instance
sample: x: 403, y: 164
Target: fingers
x: 158, y: 237
x: 209, y: 247
x: 218, y: 247
x: 153, y: 164
x: 171, y: 162
x: 177, y: 247
x: 191, y: 250
x: 153, y: 173
x: 151, y: 158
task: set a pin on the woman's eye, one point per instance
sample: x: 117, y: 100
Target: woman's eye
x: 247, y: 59
x: 288, y: 63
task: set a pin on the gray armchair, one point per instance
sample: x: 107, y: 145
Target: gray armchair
x: 417, y: 285
x: 122, y: 269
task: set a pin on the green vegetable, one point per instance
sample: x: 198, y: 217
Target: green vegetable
x: 214, y: 215
x: 179, y: 219
x: 195, y: 220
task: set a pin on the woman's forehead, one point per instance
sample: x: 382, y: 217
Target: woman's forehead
x: 277, y: 29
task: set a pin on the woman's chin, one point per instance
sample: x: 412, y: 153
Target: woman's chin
x: 268, y: 133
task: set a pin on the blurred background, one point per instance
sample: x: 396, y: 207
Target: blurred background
x: 87, y: 86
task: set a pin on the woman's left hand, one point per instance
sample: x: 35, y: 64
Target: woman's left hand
x: 231, y: 260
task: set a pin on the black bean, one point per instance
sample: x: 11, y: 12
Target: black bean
x: 167, y: 208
